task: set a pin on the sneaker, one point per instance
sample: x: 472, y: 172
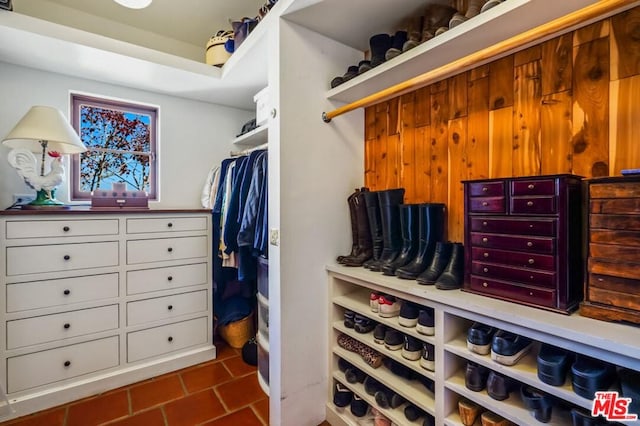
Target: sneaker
x: 348, y: 318
x: 426, y: 322
x: 413, y: 413
x: 371, y: 385
x: 378, y: 333
x: 479, y: 338
x: 507, y: 348
x: 354, y: 375
x: 412, y: 349
x: 427, y: 361
x: 373, y: 301
x: 363, y: 324
x: 386, y: 398
x: 388, y: 306
x: 475, y: 376
x: 359, y: 406
x: 408, y: 315
x: 393, y: 340
x: 342, y: 396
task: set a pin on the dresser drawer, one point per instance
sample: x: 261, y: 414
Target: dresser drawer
x: 533, y: 187
x: 509, y: 273
x: 162, y: 308
x: 65, y: 291
x: 49, y: 328
x: 514, y: 226
x: 61, y: 228
x: 514, y: 292
x: 165, y: 339
x: 616, y: 253
x: 487, y: 205
x: 148, y: 280
x: 613, y: 268
x: 486, y: 189
x: 519, y: 259
x: 615, y: 206
x: 533, y: 205
x: 163, y: 249
x: 615, y: 190
x: 615, y: 221
x: 167, y: 224
x: 41, y: 368
x: 61, y: 257
x: 511, y: 242
x: 614, y: 291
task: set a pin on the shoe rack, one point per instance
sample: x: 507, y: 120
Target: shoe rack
x: 455, y: 311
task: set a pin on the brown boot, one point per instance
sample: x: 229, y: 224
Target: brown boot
x: 364, y: 247
x: 491, y: 419
x: 469, y: 411
x: 354, y: 226
x: 435, y: 16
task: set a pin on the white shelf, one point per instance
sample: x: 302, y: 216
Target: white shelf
x: 257, y: 136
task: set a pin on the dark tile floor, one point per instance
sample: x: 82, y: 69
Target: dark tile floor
x: 224, y: 391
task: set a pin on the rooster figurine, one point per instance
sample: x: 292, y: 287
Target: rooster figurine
x: 27, y: 166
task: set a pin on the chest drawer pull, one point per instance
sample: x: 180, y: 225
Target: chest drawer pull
x: 485, y: 239
x: 529, y: 244
x: 66, y: 257
x: 170, y: 225
x: 66, y: 229
x: 485, y: 284
x: 67, y: 363
x: 486, y: 254
x: 484, y: 223
x: 531, y: 186
x: 170, y: 339
x: 169, y: 278
x: 531, y: 261
x: 485, y: 204
x: 486, y: 270
x: 66, y: 292
x: 170, y: 307
x: 485, y: 189
x: 530, y: 203
x: 170, y: 249
x: 66, y: 326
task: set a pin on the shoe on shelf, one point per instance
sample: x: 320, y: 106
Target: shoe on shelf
x: 354, y: 375
x: 364, y: 66
x: 508, y: 348
x: 399, y: 369
x: 388, y: 306
x: 363, y: 324
x: 499, y: 386
x: 412, y: 349
x: 476, y: 376
x: 398, y: 41
x: 581, y: 417
x: 386, y: 398
x: 378, y: 333
x: 413, y: 413
x: 427, y: 361
x: 359, y: 406
x: 553, y: 364
x: 408, y: 316
x: 537, y: 402
x: 352, y: 71
x: 349, y: 318
x: 374, y: 301
x: 344, y: 365
x: 437, y: 265
x: 469, y: 411
x: 453, y: 274
x: 429, y: 420
x: 490, y: 4
x: 371, y: 385
x: 630, y: 387
x: 393, y: 340
x: 372, y: 357
x: 342, y: 396
x: 590, y: 375
x: 379, y: 419
x: 492, y: 419
x: 426, y: 321
x: 479, y: 337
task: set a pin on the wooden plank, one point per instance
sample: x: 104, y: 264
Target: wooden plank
x: 618, y: 252
x: 557, y: 64
x: 614, y: 190
x: 479, y: 72
x: 625, y: 44
x: 408, y: 166
x: 369, y: 164
x: 458, y: 166
x: 616, y: 269
x: 533, y: 53
x: 615, y: 206
x: 370, y: 123
x: 622, y: 237
x: 591, y: 109
x: 439, y: 151
x: 380, y: 151
x: 458, y: 96
x: 478, y: 130
x: 501, y: 83
x: 439, y: 86
x: 526, y: 140
x: 555, y: 133
x: 624, y: 131
x: 628, y: 299
x: 501, y: 142
x: 392, y: 177
x: 613, y: 221
x: 423, y: 107
x: 591, y: 32
x: 423, y: 161
x: 393, y: 117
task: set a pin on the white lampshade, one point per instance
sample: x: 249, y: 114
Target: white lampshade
x: 43, y: 123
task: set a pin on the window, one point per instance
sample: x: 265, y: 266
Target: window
x: 121, y: 141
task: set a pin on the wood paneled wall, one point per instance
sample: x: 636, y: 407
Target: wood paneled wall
x: 567, y: 105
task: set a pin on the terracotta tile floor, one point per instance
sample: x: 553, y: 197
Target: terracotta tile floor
x: 224, y: 391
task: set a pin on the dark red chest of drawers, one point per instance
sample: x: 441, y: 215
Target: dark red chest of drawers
x: 523, y: 240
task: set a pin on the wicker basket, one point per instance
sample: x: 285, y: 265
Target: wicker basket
x: 237, y: 333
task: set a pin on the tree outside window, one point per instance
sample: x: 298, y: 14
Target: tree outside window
x: 121, y: 146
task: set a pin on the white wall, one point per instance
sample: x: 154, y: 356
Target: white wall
x: 193, y: 135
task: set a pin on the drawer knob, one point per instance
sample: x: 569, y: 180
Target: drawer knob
x: 170, y: 249
x: 529, y: 244
x: 170, y: 225
x: 485, y: 285
x: 484, y: 223
x: 170, y: 339
x: 485, y: 239
x: 169, y: 278
x: 485, y: 189
x: 67, y: 363
x: 170, y: 307
x: 485, y: 204
x: 531, y: 277
x: 66, y: 325
x: 486, y: 269
x: 66, y: 229
x: 529, y: 203
x: 486, y: 255
x: 531, y: 261
x: 66, y: 257
x: 531, y: 186
x: 66, y: 292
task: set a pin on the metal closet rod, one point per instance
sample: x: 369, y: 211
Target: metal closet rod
x: 591, y: 12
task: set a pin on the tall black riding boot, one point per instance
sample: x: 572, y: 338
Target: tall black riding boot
x: 364, y: 250
x: 389, y: 202
x: 453, y: 275
x: 354, y: 226
x: 375, y: 225
x: 431, y: 229
x: 439, y: 262
x: 409, y: 228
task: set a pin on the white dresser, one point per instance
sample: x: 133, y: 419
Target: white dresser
x: 97, y: 300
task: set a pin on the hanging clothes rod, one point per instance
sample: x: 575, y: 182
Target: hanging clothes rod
x: 592, y: 12
x: 249, y: 150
